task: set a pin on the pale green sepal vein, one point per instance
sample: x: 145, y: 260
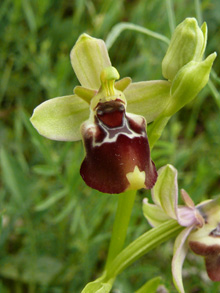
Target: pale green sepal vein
x: 60, y: 118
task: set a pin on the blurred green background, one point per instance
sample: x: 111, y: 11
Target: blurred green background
x: 56, y: 230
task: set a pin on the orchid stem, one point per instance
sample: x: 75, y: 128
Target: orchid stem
x: 156, y: 130
x: 122, y: 218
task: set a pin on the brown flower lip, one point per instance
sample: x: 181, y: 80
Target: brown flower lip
x: 115, y: 144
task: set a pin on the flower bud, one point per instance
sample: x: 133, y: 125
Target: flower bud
x: 189, y: 81
x: 187, y: 44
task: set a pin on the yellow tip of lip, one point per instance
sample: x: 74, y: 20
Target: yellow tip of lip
x: 136, y: 179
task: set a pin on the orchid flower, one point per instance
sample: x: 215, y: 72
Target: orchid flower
x: 201, y: 224
x: 111, y: 116
x: 115, y: 141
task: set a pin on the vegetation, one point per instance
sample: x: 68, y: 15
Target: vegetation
x: 56, y: 230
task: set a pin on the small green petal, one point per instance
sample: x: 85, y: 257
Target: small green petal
x: 179, y: 253
x: 85, y: 93
x: 148, y: 98
x: 60, y: 118
x: 89, y: 57
x: 123, y: 83
x: 188, y: 82
x: 154, y: 214
x: 165, y: 192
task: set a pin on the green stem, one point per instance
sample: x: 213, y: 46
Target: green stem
x: 141, y: 246
x: 156, y: 130
x: 122, y: 218
x: 118, y: 28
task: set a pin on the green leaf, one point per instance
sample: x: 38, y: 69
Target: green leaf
x: 97, y: 287
x: 89, y: 57
x: 46, y: 170
x: 142, y: 245
x: 51, y: 200
x: 15, y: 180
x: 25, y: 268
x: 150, y: 286
x: 60, y: 118
x: 154, y: 214
x: 165, y: 191
x: 148, y: 98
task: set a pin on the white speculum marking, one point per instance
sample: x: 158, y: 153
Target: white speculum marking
x: 112, y: 133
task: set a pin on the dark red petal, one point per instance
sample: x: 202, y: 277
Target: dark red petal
x: 213, y: 267
x: 115, y: 144
x: 212, y: 258
x: 204, y: 250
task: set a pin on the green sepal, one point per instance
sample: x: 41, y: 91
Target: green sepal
x: 148, y: 98
x: 85, y: 93
x: 89, y: 57
x: 154, y: 214
x: 60, y: 118
x: 187, y: 44
x: 189, y: 81
x: 165, y: 192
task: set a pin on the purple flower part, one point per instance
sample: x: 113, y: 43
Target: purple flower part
x: 115, y: 144
x: 212, y: 258
x: 189, y: 216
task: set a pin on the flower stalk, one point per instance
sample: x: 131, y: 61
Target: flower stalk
x: 120, y: 226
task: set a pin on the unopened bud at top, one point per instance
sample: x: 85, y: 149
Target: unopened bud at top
x: 187, y: 44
